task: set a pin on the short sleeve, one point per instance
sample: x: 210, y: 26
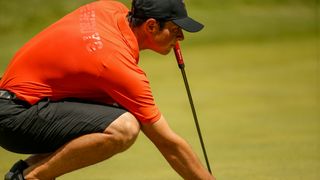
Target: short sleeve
x: 129, y: 87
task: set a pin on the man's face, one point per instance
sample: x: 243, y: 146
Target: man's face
x: 165, y: 39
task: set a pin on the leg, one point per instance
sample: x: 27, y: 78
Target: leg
x: 87, y: 149
x: 33, y: 159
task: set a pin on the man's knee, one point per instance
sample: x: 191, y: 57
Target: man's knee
x: 123, y: 131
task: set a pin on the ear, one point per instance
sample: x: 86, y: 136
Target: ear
x: 151, y: 25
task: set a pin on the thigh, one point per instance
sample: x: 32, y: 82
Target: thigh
x: 46, y: 126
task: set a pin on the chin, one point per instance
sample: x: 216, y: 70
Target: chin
x: 165, y: 52
x: 162, y: 51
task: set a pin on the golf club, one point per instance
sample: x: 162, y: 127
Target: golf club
x: 178, y: 54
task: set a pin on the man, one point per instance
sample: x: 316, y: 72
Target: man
x: 74, y: 95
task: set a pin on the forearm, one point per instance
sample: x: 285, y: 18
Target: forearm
x: 176, y: 151
x: 185, y: 162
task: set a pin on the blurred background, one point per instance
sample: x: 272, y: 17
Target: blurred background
x: 254, y: 75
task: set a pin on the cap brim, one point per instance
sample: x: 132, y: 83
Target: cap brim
x: 188, y: 24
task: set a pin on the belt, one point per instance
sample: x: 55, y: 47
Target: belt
x: 7, y: 95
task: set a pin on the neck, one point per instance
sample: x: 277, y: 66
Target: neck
x: 141, y: 37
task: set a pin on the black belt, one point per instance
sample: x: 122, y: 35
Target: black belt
x: 7, y: 95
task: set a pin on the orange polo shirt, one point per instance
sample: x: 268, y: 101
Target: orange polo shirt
x: 90, y: 54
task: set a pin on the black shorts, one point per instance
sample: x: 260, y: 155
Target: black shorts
x: 46, y: 126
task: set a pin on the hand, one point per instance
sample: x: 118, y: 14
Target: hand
x: 176, y: 151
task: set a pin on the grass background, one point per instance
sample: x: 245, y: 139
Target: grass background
x: 254, y: 74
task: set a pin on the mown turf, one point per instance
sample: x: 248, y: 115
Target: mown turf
x: 254, y: 75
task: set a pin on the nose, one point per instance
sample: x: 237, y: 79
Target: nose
x: 180, y: 36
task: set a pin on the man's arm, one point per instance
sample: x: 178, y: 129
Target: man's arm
x: 176, y: 151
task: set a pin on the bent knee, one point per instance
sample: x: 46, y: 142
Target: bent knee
x: 129, y: 125
x: 124, y: 131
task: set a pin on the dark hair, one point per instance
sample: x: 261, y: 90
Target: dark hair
x: 136, y: 22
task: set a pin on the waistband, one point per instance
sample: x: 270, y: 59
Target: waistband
x: 4, y: 94
x: 7, y: 95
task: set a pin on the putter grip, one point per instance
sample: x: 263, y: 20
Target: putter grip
x: 179, y: 58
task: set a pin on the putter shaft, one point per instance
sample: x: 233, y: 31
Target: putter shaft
x: 195, y: 118
x: 181, y: 65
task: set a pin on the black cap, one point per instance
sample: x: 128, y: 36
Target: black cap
x: 169, y: 10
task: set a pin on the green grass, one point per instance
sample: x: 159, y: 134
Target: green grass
x: 257, y: 107
x: 254, y: 75
x: 258, y: 104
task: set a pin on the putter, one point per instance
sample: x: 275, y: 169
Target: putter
x: 178, y: 54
